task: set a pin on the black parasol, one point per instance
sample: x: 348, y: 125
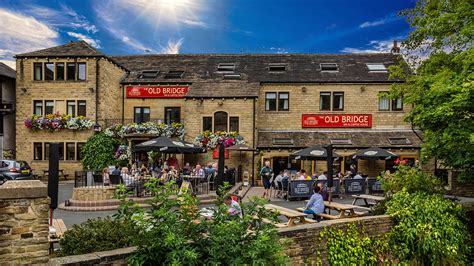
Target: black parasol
x: 374, y: 153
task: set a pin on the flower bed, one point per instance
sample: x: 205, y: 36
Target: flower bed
x: 151, y: 128
x: 210, y: 140
x: 56, y: 122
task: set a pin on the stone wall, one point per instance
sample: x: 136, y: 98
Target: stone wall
x: 459, y: 188
x: 93, y: 193
x: 24, y: 207
x: 305, y: 238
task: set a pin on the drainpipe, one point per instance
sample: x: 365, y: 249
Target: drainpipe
x: 97, y: 91
x: 253, y: 144
x: 123, y: 103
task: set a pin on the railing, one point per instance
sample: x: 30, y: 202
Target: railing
x: 111, y: 122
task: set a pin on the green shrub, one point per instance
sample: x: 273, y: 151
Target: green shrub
x: 98, y: 234
x: 173, y: 232
x: 99, y: 152
x: 411, y: 179
x: 428, y: 229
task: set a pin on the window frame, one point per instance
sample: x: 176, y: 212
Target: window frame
x: 204, y: 123
x: 327, y: 93
x: 47, y: 69
x: 40, y: 65
x: 394, y: 103
x: 57, y: 71
x: 333, y: 101
x: 68, y: 78
x: 379, y: 70
x: 79, y: 146
x: 45, y: 106
x: 230, y: 123
x: 171, y: 108
x: 267, y: 108
x: 226, y: 120
x: 78, y: 68
x: 287, y: 100
x: 327, y: 64
x: 42, y: 107
x: 35, y: 153
x: 141, y: 114
x: 74, y: 107
x: 79, y: 102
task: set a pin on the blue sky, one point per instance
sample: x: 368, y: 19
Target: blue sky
x: 203, y: 26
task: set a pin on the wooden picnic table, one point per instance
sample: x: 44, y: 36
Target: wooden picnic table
x: 290, y: 214
x: 366, y: 197
x: 344, y: 210
x: 61, y: 173
x: 60, y: 227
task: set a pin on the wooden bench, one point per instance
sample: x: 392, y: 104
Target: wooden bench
x: 60, y: 227
x: 322, y: 215
x: 365, y: 197
x: 290, y: 214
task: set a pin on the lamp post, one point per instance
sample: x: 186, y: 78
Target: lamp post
x: 97, y: 128
x: 330, y: 162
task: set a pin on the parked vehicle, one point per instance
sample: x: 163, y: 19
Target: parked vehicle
x: 14, y: 170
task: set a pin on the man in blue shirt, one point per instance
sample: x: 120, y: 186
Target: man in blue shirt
x: 316, y: 203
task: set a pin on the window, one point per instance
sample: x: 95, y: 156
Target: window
x: 282, y: 141
x: 174, y: 75
x: 81, y: 108
x: 399, y: 141
x: 377, y: 68
x: 277, y: 67
x: 71, y: 108
x: 338, y: 101
x: 270, y: 101
x: 142, y: 114
x: 38, y: 150
x: 149, y: 74
x: 71, y: 71
x: 325, y: 101
x: 46, y: 150
x: 172, y: 115
x: 79, y: 145
x: 81, y: 71
x: 49, y: 107
x: 226, y: 67
x: 59, y: 71
x: 283, y: 101
x: 329, y: 67
x: 61, y: 151
x: 207, y: 123
x: 220, y: 121
x: 341, y: 141
x: 38, y: 71
x: 384, y: 102
x: 397, y: 104
x: 70, y: 151
x: 234, y: 123
x: 38, y: 107
x: 49, y: 71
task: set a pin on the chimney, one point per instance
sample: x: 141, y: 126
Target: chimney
x: 395, y: 49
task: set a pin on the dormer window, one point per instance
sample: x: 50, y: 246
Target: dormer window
x: 149, y: 74
x: 399, y: 141
x: 276, y: 67
x: 376, y: 67
x: 329, y: 67
x: 226, y: 67
x: 174, y: 75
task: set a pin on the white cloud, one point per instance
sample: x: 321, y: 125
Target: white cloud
x: 379, y: 22
x: 172, y: 47
x: 92, y: 42
x: 278, y: 50
x: 10, y: 63
x: 20, y: 34
x: 195, y: 23
x: 375, y: 46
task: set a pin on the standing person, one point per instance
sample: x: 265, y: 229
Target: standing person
x: 105, y: 176
x: 116, y: 170
x: 323, y: 176
x: 266, y: 173
x: 198, y: 171
x: 173, y: 161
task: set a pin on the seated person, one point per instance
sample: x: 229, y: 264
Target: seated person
x: 323, y: 191
x: 300, y: 175
x: 198, y: 171
x: 187, y: 169
x: 234, y: 206
x: 316, y: 203
x: 324, y: 176
x: 358, y: 176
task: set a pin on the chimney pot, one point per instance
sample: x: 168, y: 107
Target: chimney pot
x: 395, y: 49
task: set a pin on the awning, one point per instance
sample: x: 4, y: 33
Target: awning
x: 167, y: 145
x: 374, y: 153
x: 312, y: 153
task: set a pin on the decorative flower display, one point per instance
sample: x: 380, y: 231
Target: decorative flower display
x: 210, y: 140
x: 149, y: 128
x: 123, y: 153
x: 56, y: 122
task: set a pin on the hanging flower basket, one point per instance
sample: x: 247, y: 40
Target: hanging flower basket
x: 123, y: 153
x: 210, y: 140
x: 56, y: 122
x: 148, y: 128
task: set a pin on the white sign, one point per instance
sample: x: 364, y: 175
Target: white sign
x: 370, y: 153
x: 317, y: 152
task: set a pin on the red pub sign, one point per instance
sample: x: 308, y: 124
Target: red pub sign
x: 336, y: 120
x: 173, y: 91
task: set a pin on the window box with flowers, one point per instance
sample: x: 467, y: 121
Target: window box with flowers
x: 148, y: 128
x: 210, y: 140
x: 56, y: 122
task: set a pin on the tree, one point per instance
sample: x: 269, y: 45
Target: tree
x: 439, y: 80
x: 99, y: 152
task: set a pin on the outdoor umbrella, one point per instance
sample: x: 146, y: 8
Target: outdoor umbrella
x: 167, y: 145
x: 312, y: 153
x: 374, y: 153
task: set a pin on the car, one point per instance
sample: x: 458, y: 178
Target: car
x: 14, y: 170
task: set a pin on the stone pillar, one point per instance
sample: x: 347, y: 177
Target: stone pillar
x: 24, y: 229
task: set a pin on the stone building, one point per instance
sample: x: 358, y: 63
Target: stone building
x: 278, y: 103
x: 7, y: 110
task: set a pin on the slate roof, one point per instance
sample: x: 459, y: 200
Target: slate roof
x: 7, y: 71
x: 359, y: 138
x: 79, y: 48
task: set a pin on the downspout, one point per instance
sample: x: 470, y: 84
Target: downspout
x: 253, y: 143
x: 123, y: 104
x: 97, y: 90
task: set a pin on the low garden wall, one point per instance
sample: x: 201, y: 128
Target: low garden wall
x: 24, y: 207
x: 93, y: 193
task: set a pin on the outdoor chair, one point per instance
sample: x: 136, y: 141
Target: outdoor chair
x: 115, y: 179
x: 98, y: 179
x: 80, y: 179
x: 210, y: 181
x: 280, y: 188
x: 284, y: 184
